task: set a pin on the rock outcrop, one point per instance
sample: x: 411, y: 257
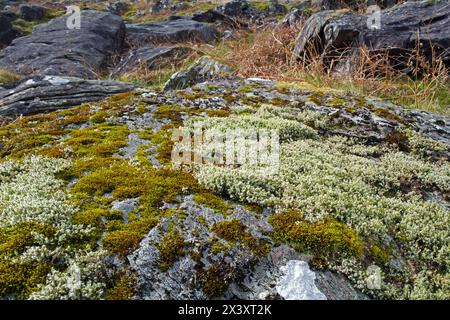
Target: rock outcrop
x: 202, y: 70
x: 150, y: 58
x: 31, y: 12
x: 7, y: 33
x: 48, y: 93
x: 54, y: 49
x: 403, y: 28
x: 177, y: 29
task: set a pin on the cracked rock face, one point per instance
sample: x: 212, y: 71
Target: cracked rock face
x: 173, y: 31
x: 54, y: 49
x: 403, y: 28
x: 48, y: 93
x: 202, y: 70
x: 150, y: 58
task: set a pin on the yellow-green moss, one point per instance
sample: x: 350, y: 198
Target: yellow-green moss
x: 235, y: 232
x: 213, y: 283
x: 15, y: 240
x: 219, y: 247
x: 7, y: 76
x: 170, y: 248
x: 121, y: 242
x: 21, y: 279
x: 325, y: 238
x: 125, y: 288
x: 279, y: 102
x: 381, y: 254
x: 214, y: 202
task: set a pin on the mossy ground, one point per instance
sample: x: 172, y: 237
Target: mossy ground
x: 92, y: 137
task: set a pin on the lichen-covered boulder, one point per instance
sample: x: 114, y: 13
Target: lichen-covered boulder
x: 48, y: 93
x: 54, y: 49
x: 203, y: 69
x: 403, y: 29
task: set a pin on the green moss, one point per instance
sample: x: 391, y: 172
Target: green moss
x: 235, y: 232
x: 125, y: 288
x: 279, y: 102
x: 388, y: 115
x: 102, y: 140
x: 21, y: 279
x: 219, y: 247
x: 260, y: 5
x: 229, y: 98
x: 39, y: 133
x: 325, y: 238
x: 317, y: 97
x: 141, y: 107
x: 213, y: 282
x: 218, y: 113
x: 93, y: 216
x: 214, y: 202
x: 99, y: 117
x: 170, y: 248
x: 17, y: 239
x: 121, y: 242
x: 337, y: 102
x: 381, y: 254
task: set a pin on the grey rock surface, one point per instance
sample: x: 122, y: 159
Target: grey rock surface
x: 170, y: 31
x: 403, y: 27
x: 30, y: 12
x: 151, y: 58
x: 202, y: 70
x: 54, y: 49
x: 48, y: 93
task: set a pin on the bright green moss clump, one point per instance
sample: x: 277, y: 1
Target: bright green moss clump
x: 325, y: 238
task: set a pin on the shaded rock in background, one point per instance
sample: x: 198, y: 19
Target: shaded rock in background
x: 31, y: 12
x: 48, y: 93
x: 294, y: 17
x: 202, y: 70
x: 235, y: 8
x: 118, y: 7
x: 403, y: 28
x: 151, y: 58
x: 160, y: 5
x: 275, y: 8
x: 7, y: 33
x: 212, y: 16
x: 176, y: 30
x: 53, y: 49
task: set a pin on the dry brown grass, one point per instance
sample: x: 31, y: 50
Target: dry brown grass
x: 267, y: 52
